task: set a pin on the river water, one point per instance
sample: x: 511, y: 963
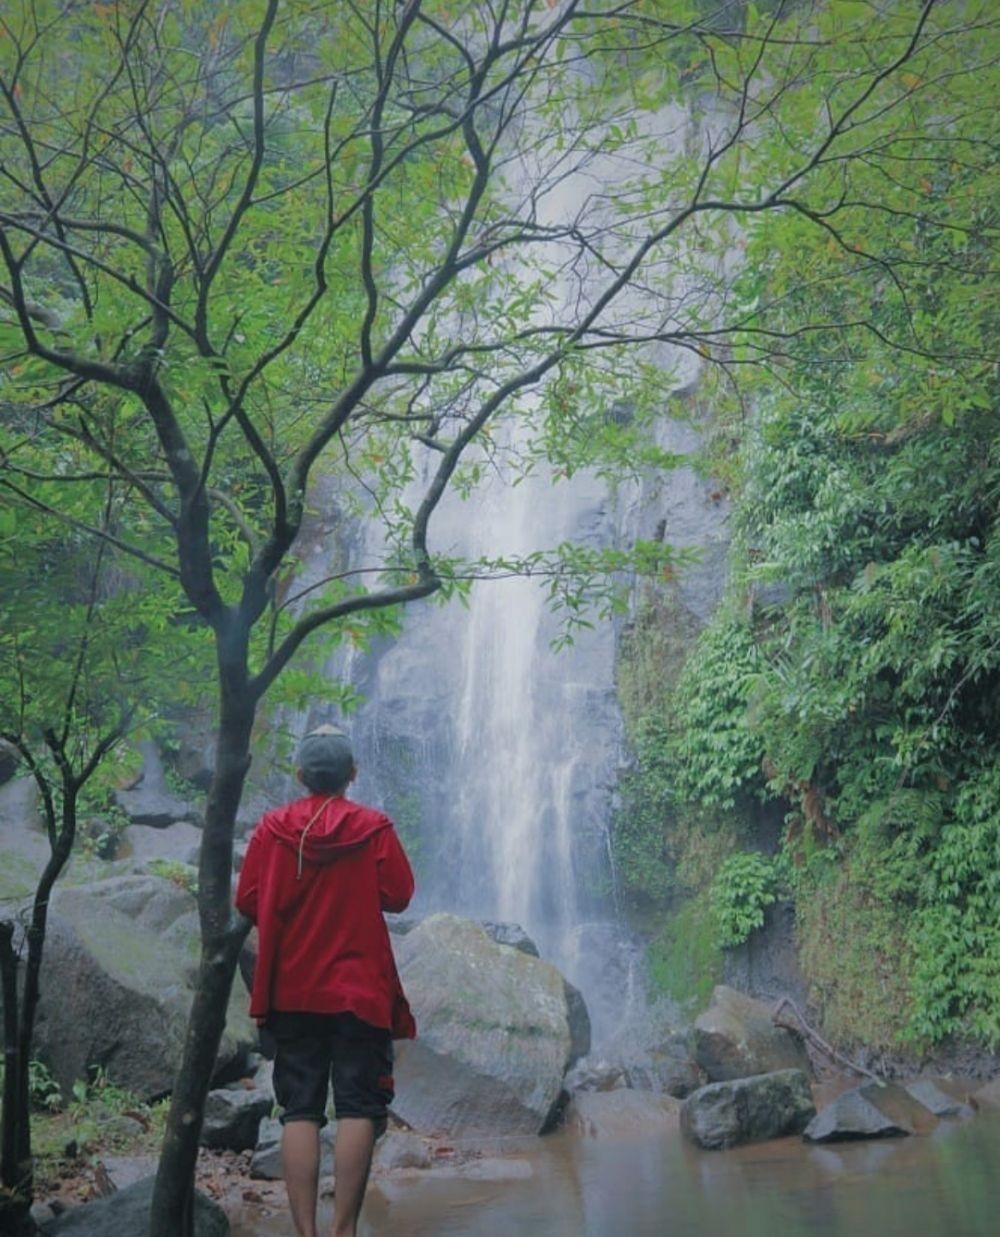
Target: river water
x: 942, y: 1185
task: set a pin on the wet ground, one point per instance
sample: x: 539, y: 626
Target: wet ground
x: 946, y: 1184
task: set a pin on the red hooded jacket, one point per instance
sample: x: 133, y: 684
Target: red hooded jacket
x: 317, y: 876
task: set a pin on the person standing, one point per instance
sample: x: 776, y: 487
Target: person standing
x: 318, y: 874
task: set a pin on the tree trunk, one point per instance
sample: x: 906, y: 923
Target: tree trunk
x: 173, y: 1195
x: 15, y: 1200
x: 18, y: 1168
x: 222, y: 936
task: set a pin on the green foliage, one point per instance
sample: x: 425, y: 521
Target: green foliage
x: 715, y: 753
x: 857, y: 662
x: 42, y: 1087
x: 97, y: 1119
x: 102, y: 821
x: 744, y: 886
x: 183, y: 875
x: 955, y: 935
x: 43, y: 1090
x: 879, y: 698
x: 869, y: 665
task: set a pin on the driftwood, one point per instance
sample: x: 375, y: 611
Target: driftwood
x: 817, y: 1040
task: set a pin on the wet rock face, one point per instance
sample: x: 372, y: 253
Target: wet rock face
x: 746, y: 1110
x: 766, y: 965
x: 736, y: 1038
x: 126, y: 1214
x: 494, y: 1033
x: 871, y: 1111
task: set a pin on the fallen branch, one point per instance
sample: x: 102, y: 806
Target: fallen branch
x: 816, y: 1039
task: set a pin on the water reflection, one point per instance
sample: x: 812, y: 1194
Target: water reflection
x: 945, y: 1185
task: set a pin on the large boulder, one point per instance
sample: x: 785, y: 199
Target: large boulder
x: 736, y: 1038
x: 746, y: 1110
x: 126, y: 1214
x: 512, y: 934
x: 117, y: 982
x: 874, y: 1110
x: 495, y: 1034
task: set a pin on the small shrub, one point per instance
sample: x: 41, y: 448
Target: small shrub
x: 181, y: 874
x: 744, y: 886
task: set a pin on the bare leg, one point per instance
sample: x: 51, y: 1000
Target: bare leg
x: 352, y: 1158
x: 300, y: 1161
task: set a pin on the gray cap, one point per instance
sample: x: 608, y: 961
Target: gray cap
x: 326, y: 759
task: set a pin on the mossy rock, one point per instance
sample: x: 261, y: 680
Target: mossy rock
x: 685, y: 962
x: 117, y: 984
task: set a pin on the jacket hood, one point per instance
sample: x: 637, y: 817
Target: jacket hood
x: 321, y: 828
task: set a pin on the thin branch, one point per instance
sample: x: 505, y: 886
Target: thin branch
x: 102, y: 535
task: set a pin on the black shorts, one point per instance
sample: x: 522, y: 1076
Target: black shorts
x: 315, y: 1049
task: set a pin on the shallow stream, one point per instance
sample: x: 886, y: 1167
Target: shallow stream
x: 944, y: 1185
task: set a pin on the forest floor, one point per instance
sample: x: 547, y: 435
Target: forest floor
x: 89, y: 1151
x: 222, y: 1175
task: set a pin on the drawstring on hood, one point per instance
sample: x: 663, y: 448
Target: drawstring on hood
x: 305, y: 833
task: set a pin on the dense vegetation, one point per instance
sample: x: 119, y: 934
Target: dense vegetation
x: 850, y: 681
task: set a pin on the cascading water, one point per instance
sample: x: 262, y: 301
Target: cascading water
x: 534, y: 774
x: 496, y: 755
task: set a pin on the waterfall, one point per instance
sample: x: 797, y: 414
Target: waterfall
x: 497, y: 755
